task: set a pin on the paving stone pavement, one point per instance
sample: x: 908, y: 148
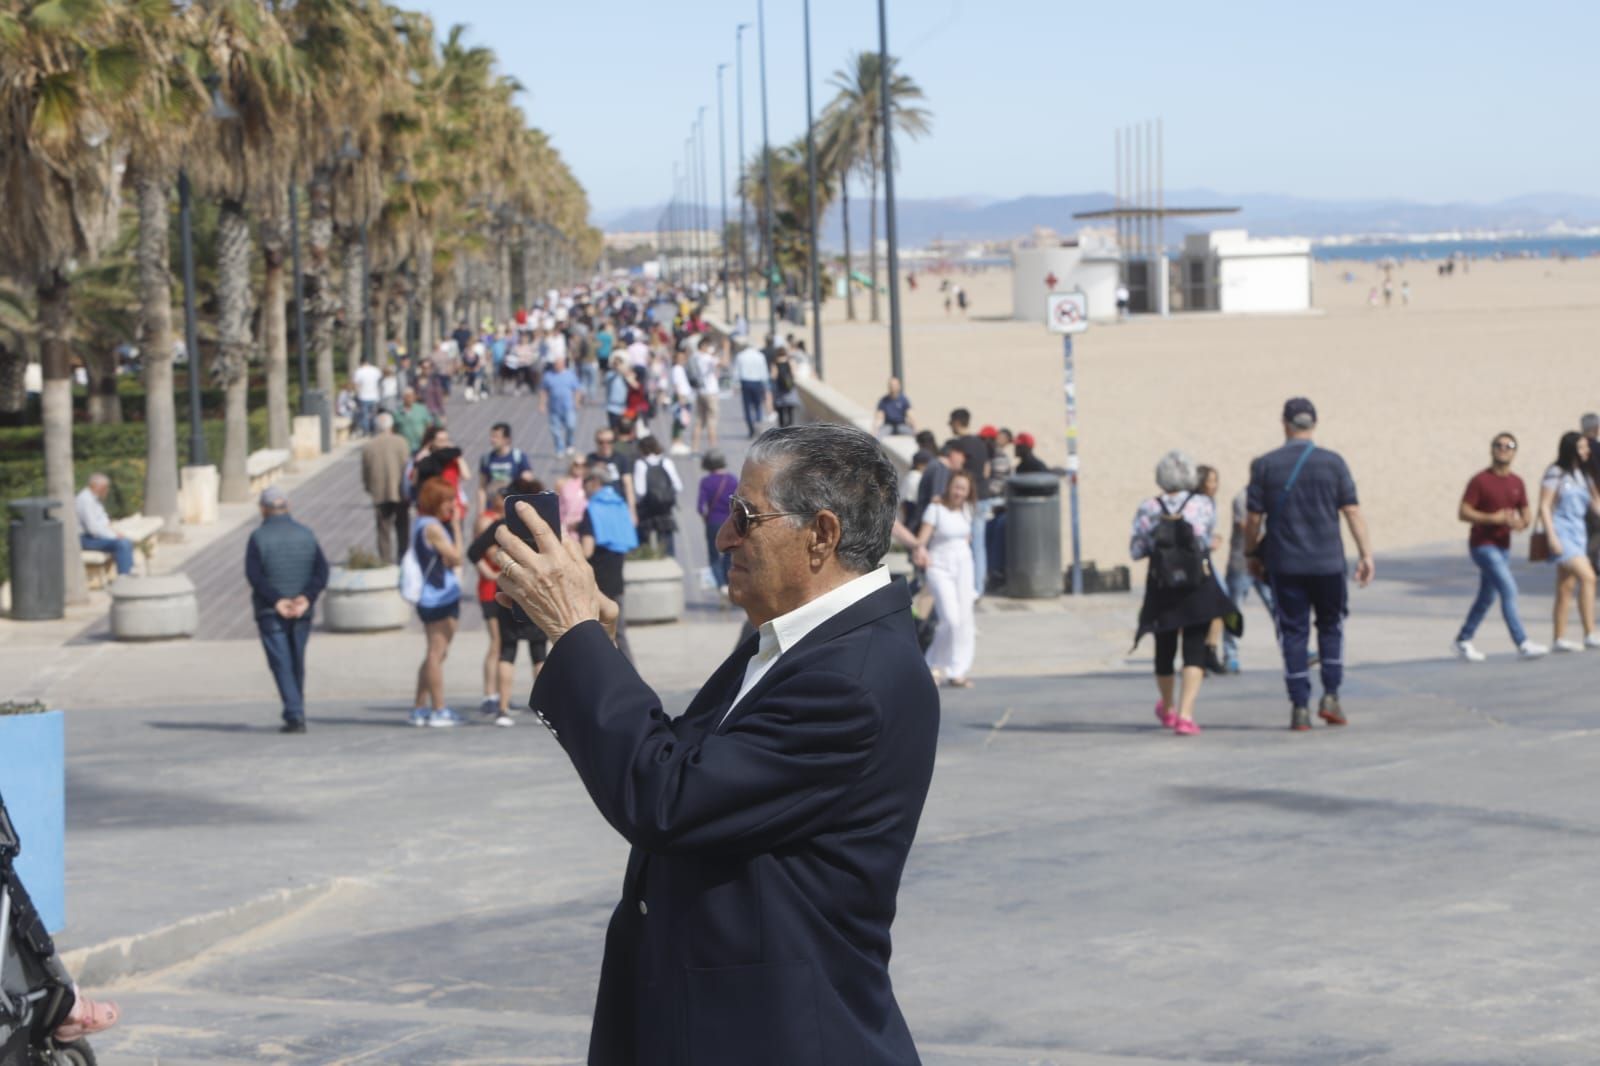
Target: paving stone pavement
x: 1085, y: 887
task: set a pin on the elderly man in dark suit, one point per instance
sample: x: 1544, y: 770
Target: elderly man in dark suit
x: 771, y: 821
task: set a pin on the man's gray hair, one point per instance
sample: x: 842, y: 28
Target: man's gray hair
x: 1176, y: 472
x: 384, y: 421
x: 98, y: 478
x: 826, y: 467
x: 1590, y: 422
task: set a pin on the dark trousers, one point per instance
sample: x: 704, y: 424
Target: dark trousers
x: 394, y: 526
x: 754, y: 395
x: 1297, y: 596
x: 717, y: 558
x: 1194, y: 648
x: 285, y: 642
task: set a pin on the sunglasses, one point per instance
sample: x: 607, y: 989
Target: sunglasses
x: 1508, y: 445
x: 743, y: 516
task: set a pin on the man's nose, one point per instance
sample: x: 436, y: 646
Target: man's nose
x: 727, y: 539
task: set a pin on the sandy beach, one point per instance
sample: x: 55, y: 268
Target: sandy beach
x: 1410, y: 395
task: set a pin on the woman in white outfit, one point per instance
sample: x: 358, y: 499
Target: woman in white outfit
x: 946, y: 535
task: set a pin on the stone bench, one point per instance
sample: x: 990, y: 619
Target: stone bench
x: 341, y: 429
x: 154, y: 608
x: 265, y: 467
x: 99, y: 568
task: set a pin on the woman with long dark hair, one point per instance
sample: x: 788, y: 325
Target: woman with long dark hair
x: 1565, y: 498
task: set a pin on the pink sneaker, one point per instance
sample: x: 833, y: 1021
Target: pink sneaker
x: 1185, y: 727
x: 1164, y: 715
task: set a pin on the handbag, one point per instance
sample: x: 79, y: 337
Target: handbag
x: 1539, y: 545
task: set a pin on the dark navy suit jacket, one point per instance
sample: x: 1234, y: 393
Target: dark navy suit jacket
x: 767, y: 851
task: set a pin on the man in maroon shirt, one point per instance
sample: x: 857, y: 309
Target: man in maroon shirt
x: 1496, y: 504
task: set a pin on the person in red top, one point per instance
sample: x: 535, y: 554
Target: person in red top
x: 1496, y: 505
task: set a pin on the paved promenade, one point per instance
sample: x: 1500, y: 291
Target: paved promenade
x: 1085, y: 889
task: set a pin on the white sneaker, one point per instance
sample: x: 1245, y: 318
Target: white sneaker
x: 444, y: 718
x: 419, y: 716
x: 1467, y: 653
x: 1567, y: 645
x: 504, y: 720
x: 1530, y: 650
x: 1592, y: 640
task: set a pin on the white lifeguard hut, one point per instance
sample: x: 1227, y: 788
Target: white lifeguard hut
x: 1228, y: 271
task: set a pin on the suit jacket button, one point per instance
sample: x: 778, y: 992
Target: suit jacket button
x: 643, y: 907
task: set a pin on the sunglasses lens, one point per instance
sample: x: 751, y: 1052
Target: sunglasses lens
x: 740, y: 515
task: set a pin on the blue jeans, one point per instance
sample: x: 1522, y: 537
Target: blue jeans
x: 285, y: 642
x: 1297, y: 595
x: 563, y: 425
x: 366, y: 410
x: 980, y: 542
x: 1494, y: 577
x: 1239, y: 584
x: 719, y: 560
x: 121, y: 547
x: 588, y: 374
x: 754, y: 395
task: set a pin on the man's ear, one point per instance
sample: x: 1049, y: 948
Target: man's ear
x: 825, y: 533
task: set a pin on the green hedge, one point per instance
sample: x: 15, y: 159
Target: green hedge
x: 118, y: 451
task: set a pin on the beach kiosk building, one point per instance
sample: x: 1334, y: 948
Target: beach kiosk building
x: 1226, y: 270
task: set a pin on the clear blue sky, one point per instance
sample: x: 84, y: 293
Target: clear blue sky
x: 1417, y: 100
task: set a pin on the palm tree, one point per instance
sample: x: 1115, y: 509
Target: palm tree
x: 860, y: 97
x: 247, y: 160
x: 61, y: 72
x: 159, y: 120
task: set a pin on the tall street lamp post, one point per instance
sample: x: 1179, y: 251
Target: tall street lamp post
x: 299, y: 286
x: 722, y: 194
x: 197, y: 437
x: 770, y: 268
x: 738, y: 171
x: 811, y: 204
x: 896, y: 364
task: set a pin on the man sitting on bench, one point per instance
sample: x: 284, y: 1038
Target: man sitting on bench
x: 94, y: 525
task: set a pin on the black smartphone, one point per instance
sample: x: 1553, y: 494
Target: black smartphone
x: 547, y: 505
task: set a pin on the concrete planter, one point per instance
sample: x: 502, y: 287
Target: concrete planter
x: 33, y: 785
x: 162, y: 607
x: 652, y: 590
x: 364, y: 601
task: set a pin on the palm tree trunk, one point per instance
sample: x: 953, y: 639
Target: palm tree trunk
x: 321, y: 297
x: 233, y: 348
x: 530, y: 278
x: 105, y: 406
x: 13, y: 382
x: 424, y: 293
x: 59, y: 480
x: 849, y: 286
x: 275, y: 331
x: 872, y: 248
x: 350, y: 335
x: 502, y: 279
x: 155, y: 347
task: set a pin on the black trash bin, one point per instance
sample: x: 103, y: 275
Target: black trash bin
x: 38, y: 561
x: 315, y: 402
x: 1033, y: 536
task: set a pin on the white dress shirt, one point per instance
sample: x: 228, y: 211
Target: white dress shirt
x: 92, y: 517
x: 751, y: 365
x: 785, y: 631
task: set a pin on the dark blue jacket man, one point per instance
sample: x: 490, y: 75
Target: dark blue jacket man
x: 771, y: 821
x: 1296, y: 497
x: 287, y: 572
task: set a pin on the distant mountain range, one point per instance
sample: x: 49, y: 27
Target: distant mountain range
x: 922, y: 222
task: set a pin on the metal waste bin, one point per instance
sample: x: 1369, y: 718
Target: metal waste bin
x: 38, y: 561
x: 1033, y: 536
x: 315, y: 402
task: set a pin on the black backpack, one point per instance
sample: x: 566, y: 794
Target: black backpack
x: 1177, y: 559
x: 659, y: 497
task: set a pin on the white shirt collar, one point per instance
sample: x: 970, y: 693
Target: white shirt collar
x: 785, y: 631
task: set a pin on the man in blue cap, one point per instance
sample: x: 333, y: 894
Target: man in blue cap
x: 1298, y: 493
x: 287, y: 572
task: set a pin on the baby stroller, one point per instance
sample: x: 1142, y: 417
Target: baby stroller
x: 36, y: 992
